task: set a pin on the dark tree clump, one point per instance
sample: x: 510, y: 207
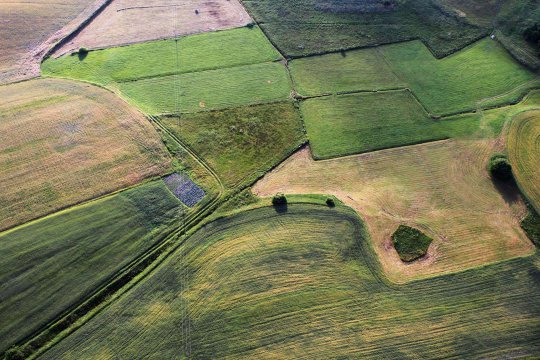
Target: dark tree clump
x: 500, y: 168
x: 279, y: 200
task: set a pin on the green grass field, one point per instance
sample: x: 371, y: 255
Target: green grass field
x: 212, y: 89
x: 364, y: 69
x: 305, y: 283
x: 356, y: 123
x: 308, y: 27
x: 241, y: 144
x: 50, y: 264
x: 201, y: 52
x: 457, y: 83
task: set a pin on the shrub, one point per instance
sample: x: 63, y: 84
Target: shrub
x: 410, y: 243
x: 83, y: 51
x: 330, y: 202
x: 279, y: 200
x: 15, y: 353
x: 500, y: 168
x: 250, y: 25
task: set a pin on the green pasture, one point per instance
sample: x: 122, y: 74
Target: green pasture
x: 306, y: 283
x: 242, y: 143
x: 355, y: 123
x: 193, y: 53
x: 48, y: 265
x: 481, y: 72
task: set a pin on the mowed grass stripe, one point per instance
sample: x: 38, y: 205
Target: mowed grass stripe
x: 193, y: 53
x: 50, y: 264
x: 213, y: 89
x: 305, y: 283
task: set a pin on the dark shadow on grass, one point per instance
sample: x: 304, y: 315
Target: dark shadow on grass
x: 508, y: 189
x: 281, y: 208
x: 82, y: 55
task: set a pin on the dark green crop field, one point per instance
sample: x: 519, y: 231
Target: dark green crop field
x: 48, y: 265
x: 304, y: 27
x: 241, y: 144
x: 305, y: 283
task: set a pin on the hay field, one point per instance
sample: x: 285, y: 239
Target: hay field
x: 132, y: 21
x: 441, y: 188
x: 306, y: 284
x: 306, y: 27
x: 241, y: 144
x: 50, y: 264
x: 66, y: 142
x: 356, y: 123
x: 458, y: 82
x: 25, y: 26
x: 524, y: 153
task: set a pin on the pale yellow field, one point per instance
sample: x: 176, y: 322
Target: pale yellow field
x: 442, y: 188
x: 131, y: 21
x: 65, y: 142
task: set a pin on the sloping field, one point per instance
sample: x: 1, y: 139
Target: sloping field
x: 524, y: 153
x: 48, y: 265
x: 305, y: 27
x: 24, y: 26
x: 65, y: 142
x: 240, y: 144
x: 441, y: 188
x: 208, y: 90
x: 458, y: 82
x: 131, y: 21
x: 355, y: 123
x: 305, y: 284
x: 364, y: 69
x: 166, y: 57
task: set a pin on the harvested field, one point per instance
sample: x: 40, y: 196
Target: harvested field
x: 159, y: 19
x: 66, y: 142
x: 306, y: 284
x: 441, y: 188
x: 50, y: 264
x: 29, y: 28
x: 459, y: 82
x: 356, y: 123
x: 524, y: 153
x: 241, y: 144
x: 304, y: 27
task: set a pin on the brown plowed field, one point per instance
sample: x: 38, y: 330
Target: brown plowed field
x: 441, y: 188
x: 120, y: 23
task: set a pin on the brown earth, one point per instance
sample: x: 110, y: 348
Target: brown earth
x: 441, y: 188
x: 131, y: 21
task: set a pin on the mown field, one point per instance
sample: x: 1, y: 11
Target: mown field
x: 241, y: 144
x: 356, y: 123
x: 458, y: 82
x: 441, y: 188
x: 306, y: 284
x: 311, y: 27
x: 524, y: 153
x: 50, y: 264
x: 132, y: 21
x: 65, y: 142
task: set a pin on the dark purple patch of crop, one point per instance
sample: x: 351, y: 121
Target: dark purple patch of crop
x: 183, y: 188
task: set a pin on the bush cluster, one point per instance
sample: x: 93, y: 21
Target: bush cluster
x: 499, y: 167
x: 279, y: 200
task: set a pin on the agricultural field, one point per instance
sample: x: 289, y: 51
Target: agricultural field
x: 308, y: 27
x: 50, y: 264
x: 306, y: 284
x: 241, y: 144
x: 27, y: 28
x: 65, y: 142
x: 524, y: 153
x: 441, y: 188
x: 162, y: 19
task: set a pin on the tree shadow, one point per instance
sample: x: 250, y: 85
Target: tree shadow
x: 82, y: 55
x: 508, y: 189
x: 281, y: 208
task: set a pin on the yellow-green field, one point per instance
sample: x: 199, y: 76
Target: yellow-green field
x: 65, y: 142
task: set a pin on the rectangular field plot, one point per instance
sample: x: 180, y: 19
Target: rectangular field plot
x: 355, y: 123
x: 364, y: 69
x: 441, y: 188
x: 240, y: 144
x: 65, y: 142
x: 212, y: 89
x: 132, y: 21
x: 457, y: 83
x: 49, y: 265
x: 184, y: 188
x: 306, y: 284
x: 165, y: 57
